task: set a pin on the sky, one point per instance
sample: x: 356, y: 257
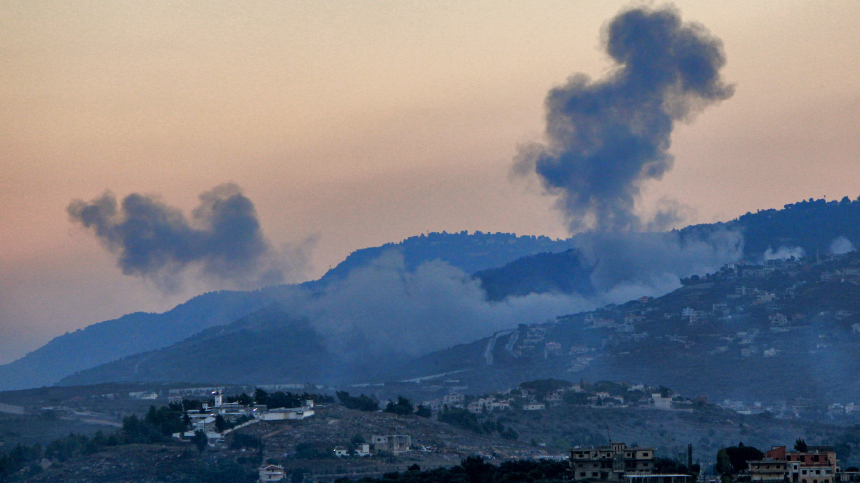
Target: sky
x: 353, y: 124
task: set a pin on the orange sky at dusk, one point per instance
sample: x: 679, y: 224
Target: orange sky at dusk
x: 360, y: 123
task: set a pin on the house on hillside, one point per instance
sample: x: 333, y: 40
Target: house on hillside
x: 281, y: 414
x: 453, y: 400
x: 393, y: 443
x: 269, y: 473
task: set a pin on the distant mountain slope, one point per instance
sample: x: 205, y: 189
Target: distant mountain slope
x: 503, y: 262
x: 129, y: 334
x: 141, y: 332
x: 812, y: 226
x: 565, y: 272
x: 470, y: 252
x: 267, y: 346
x: 772, y: 332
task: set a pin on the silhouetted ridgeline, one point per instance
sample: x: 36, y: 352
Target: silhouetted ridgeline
x: 469, y: 252
x: 812, y: 225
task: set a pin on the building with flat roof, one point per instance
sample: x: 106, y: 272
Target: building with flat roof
x: 611, y: 463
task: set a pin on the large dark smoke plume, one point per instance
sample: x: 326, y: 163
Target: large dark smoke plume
x: 222, y: 239
x: 606, y: 137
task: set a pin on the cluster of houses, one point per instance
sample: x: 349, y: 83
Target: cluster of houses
x: 817, y: 464
x: 205, y: 420
x: 528, y: 400
x: 618, y: 463
x: 388, y: 443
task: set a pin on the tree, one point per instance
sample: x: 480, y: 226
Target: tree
x: 200, y: 440
x: 402, y: 407
x: 261, y: 396
x: 800, y: 445
x: 724, y: 464
x: 423, y: 411
x: 221, y: 424
x: 477, y: 469
x: 739, y: 455
x: 362, y: 402
x: 460, y: 418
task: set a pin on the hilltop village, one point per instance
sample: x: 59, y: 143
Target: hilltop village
x: 710, y: 337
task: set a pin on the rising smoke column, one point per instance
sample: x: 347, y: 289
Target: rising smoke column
x: 606, y: 137
x: 153, y: 240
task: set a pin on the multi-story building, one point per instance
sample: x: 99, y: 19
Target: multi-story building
x: 611, y: 463
x: 815, y: 465
x: 768, y: 470
x: 393, y: 443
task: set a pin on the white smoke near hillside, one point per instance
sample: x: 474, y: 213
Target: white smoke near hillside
x: 784, y: 253
x: 841, y: 245
x: 384, y: 308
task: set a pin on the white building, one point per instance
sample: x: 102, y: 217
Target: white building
x: 272, y: 473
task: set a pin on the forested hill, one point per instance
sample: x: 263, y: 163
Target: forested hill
x: 806, y: 228
x: 812, y: 225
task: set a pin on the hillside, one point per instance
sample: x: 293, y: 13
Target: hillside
x: 129, y: 334
x: 470, y: 252
x: 144, y: 332
x: 505, y: 264
x: 565, y: 272
x: 786, y: 333
x: 795, y: 321
x: 808, y: 227
x: 305, y: 447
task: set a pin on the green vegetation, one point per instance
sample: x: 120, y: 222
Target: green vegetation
x: 19, y: 458
x: 474, y: 469
x: 239, y: 441
x: 733, y: 460
x: 313, y: 451
x: 423, y: 411
x: 463, y: 419
x: 361, y: 403
x: 402, y: 407
x: 283, y: 399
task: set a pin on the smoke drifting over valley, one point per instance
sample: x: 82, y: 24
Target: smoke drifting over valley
x: 605, y: 138
x: 222, y: 239
x: 385, y: 308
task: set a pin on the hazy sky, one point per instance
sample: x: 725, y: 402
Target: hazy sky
x: 359, y: 123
